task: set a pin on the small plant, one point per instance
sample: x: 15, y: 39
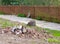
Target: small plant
x: 39, y: 18
x: 21, y: 15
x: 55, y: 20
x: 1, y: 12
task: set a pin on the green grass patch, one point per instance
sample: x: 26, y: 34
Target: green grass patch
x: 53, y: 40
x: 6, y: 23
x: 55, y: 33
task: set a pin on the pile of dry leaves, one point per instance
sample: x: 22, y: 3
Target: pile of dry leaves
x: 24, y: 32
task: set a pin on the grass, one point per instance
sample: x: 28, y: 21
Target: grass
x: 55, y: 33
x: 53, y: 40
x: 6, y: 23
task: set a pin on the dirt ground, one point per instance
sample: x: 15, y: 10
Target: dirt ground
x: 13, y: 39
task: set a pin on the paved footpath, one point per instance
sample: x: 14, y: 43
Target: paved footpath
x: 43, y: 24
